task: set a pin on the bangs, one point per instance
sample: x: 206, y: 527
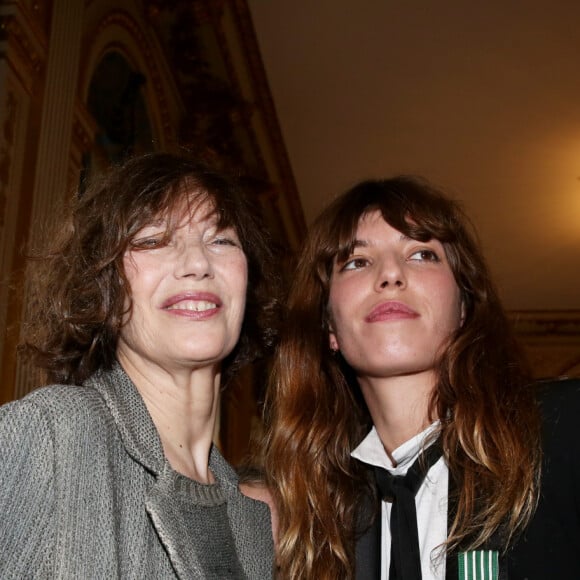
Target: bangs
x: 182, y: 200
x: 414, y: 220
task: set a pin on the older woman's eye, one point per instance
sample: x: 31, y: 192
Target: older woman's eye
x: 425, y: 256
x: 226, y: 237
x: 225, y: 241
x: 148, y: 243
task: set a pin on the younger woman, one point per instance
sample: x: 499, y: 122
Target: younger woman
x: 396, y: 343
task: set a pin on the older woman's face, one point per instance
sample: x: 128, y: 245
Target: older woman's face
x: 394, y: 303
x: 188, y: 294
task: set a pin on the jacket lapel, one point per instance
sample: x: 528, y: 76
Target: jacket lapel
x: 451, y: 567
x: 249, y: 519
x: 168, y: 519
x: 368, y: 545
x: 142, y: 443
x: 490, y: 552
x: 250, y: 522
x: 368, y: 553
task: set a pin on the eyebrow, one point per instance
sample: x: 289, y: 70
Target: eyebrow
x: 365, y: 244
x: 359, y: 244
x: 157, y: 223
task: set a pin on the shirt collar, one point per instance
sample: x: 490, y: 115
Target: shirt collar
x: 372, y: 452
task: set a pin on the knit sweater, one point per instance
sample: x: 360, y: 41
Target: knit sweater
x: 86, y: 492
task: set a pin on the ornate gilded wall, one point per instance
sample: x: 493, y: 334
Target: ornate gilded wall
x: 86, y: 82
x: 551, y: 340
x: 83, y: 82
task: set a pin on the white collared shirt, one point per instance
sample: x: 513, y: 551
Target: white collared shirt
x: 431, y: 500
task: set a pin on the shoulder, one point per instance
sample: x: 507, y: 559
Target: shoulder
x: 260, y: 492
x: 550, y: 542
x: 559, y: 400
x: 63, y: 396
x: 56, y: 402
x: 559, y: 390
x: 57, y: 413
x: 41, y: 431
x: 559, y: 404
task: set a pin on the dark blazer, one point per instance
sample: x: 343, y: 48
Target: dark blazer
x: 85, y: 493
x: 550, y: 545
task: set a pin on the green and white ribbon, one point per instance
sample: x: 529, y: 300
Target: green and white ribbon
x: 478, y: 565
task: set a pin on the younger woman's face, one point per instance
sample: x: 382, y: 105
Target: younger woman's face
x: 393, y: 303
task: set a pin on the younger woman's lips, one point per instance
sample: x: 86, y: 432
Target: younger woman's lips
x: 391, y: 310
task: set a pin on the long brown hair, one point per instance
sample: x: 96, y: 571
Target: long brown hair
x: 315, y: 413
x: 81, y: 297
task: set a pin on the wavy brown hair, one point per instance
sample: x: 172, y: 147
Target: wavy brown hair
x: 315, y: 414
x: 81, y: 297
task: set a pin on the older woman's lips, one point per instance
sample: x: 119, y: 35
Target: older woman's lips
x: 197, y: 305
x: 391, y: 310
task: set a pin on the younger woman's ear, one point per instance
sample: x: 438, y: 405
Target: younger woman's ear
x: 333, y: 343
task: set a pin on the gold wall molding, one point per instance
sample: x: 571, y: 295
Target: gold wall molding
x: 265, y: 103
x: 544, y: 323
x: 121, y: 31
x: 551, y: 339
x: 205, y: 91
x: 8, y: 129
x: 22, y: 45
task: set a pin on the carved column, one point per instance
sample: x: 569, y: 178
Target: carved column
x: 51, y: 176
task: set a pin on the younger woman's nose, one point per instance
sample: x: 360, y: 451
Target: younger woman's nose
x: 391, y: 274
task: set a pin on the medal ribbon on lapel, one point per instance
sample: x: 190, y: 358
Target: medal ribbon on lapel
x: 478, y: 565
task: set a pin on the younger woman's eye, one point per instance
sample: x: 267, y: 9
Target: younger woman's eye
x: 425, y: 256
x: 354, y: 264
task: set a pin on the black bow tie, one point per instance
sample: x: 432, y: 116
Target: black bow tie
x: 401, y: 491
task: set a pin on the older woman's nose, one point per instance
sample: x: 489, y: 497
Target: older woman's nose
x: 192, y: 260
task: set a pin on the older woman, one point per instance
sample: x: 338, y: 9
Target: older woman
x: 157, y: 290
x: 398, y: 369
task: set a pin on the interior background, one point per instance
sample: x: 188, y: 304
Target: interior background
x: 304, y: 98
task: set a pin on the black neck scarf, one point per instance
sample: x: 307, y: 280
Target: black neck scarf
x: 401, y: 491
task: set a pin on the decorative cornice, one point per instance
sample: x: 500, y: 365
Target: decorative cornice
x: 268, y: 109
x: 125, y: 21
x: 16, y: 35
x: 246, y: 109
x: 6, y: 145
x: 204, y: 10
x: 546, y: 323
x: 84, y: 128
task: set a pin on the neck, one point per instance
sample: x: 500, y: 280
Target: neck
x: 399, y: 406
x: 183, y: 405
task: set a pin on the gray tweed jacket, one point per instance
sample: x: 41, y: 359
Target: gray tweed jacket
x: 83, y: 492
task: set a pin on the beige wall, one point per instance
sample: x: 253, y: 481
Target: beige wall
x: 483, y: 98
